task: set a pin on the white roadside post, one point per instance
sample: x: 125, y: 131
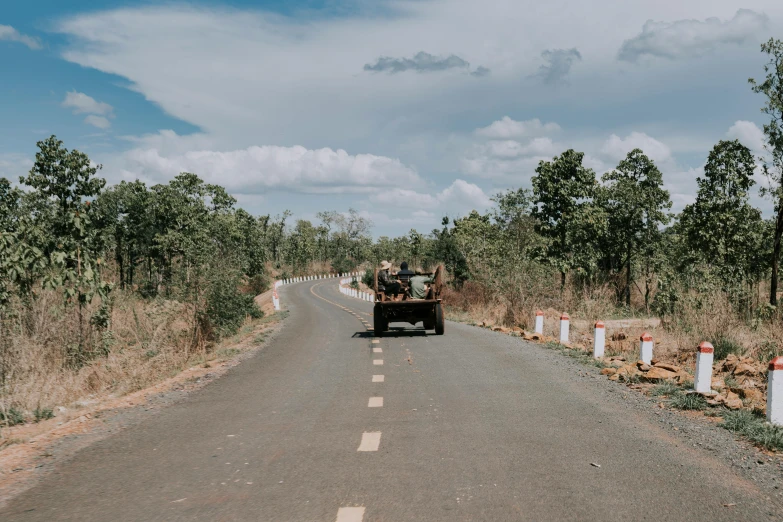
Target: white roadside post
x: 599, y: 342
x: 702, y: 383
x: 276, y: 300
x: 775, y: 391
x: 564, y: 324
x: 646, y: 348
x: 540, y: 322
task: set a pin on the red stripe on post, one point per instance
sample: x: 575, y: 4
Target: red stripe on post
x: 599, y: 324
x: 706, y: 347
x: 645, y: 337
x: 539, y: 312
x: 564, y: 317
x: 776, y: 364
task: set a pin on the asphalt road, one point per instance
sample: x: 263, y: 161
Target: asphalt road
x: 473, y: 426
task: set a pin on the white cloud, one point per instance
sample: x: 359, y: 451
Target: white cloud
x: 10, y: 34
x: 250, y: 78
x: 404, y: 198
x: 466, y: 195
x: 258, y: 169
x: 13, y: 165
x: 81, y: 103
x: 684, y: 38
x: 749, y: 134
x: 97, y: 121
x: 510, y: 150
x: 506, y: 128
x: 617, y: 148
x: 460, y: 195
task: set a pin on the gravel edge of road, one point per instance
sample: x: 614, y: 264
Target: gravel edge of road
x: 694, y: 429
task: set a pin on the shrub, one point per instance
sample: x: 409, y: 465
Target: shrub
x: 688, y: 401
x: 43, y: 414
x: 227, y: 307
x: 754, y: 428
x: 665, y: 389
x: 11, y: 417
x: 738, y: 421
x: 369, y: 278
x: 725, y: 346
x: 259, y: 284
x: 343, y: 264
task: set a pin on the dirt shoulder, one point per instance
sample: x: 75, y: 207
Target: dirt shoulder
x: 33, y: 450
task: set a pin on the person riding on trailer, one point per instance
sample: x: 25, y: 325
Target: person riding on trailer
x: 404, y: 274
x: 385, y: 283
x: 417, y: 286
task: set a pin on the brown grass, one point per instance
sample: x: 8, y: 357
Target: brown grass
x: 149, y: 341
x: 701, y: 317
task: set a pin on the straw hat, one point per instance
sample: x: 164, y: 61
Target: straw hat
x: 385, y: 265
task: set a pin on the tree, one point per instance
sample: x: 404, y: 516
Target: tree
x: 636, y: 205
x: 772, y: 89
x: 563, y: 192
x: 721, y: 227
x: 63, y: 180
x: 9, y: 205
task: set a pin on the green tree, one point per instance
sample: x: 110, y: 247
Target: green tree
x: 635, y: 204
x: 772, y: 89
x: 721, y: 227
x: 64, y: 180
x: 563, y: 192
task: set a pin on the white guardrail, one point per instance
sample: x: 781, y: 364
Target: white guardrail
x: 345, y: 279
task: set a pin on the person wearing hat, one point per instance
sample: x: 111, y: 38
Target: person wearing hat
x: 385, y: 283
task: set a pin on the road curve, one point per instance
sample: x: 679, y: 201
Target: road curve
x: 472, y: 425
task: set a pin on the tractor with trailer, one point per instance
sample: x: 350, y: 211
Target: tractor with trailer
x: 404, y: 309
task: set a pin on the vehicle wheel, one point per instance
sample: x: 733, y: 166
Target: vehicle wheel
x: 378, y: 326
x: 439, y: 326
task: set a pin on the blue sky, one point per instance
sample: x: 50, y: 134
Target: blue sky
x: 404, y: 110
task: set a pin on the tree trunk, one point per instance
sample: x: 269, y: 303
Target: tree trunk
x: 120, y: 267
x: 773, y: 286
x: 131, y: 264
x: 628, y: 278
x: 562, y: 281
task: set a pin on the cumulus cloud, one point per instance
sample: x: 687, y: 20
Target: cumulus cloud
x: 12, y: 35
x: 421, y: 63
x: 617, y: 148
x: 685, y: 38
x: 749, y: 134
x: 506, y: 128
x: 81, y: 103
x: 460, y: 195
x: 559, y: 63
x: 255, y: 170
x: 510, y: 150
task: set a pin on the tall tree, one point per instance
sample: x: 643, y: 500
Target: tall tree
x: 563, y: 192
x: 772, y: 89
x: 722, y: 228
x: 636, y: 205
x: 64, y: 181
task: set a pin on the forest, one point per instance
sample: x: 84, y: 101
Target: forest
x: 111, y: 287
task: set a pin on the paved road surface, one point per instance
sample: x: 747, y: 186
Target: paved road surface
x: 473, y: 426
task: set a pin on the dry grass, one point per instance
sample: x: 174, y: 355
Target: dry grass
x: 701, y: 317
x: 149, y: 341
